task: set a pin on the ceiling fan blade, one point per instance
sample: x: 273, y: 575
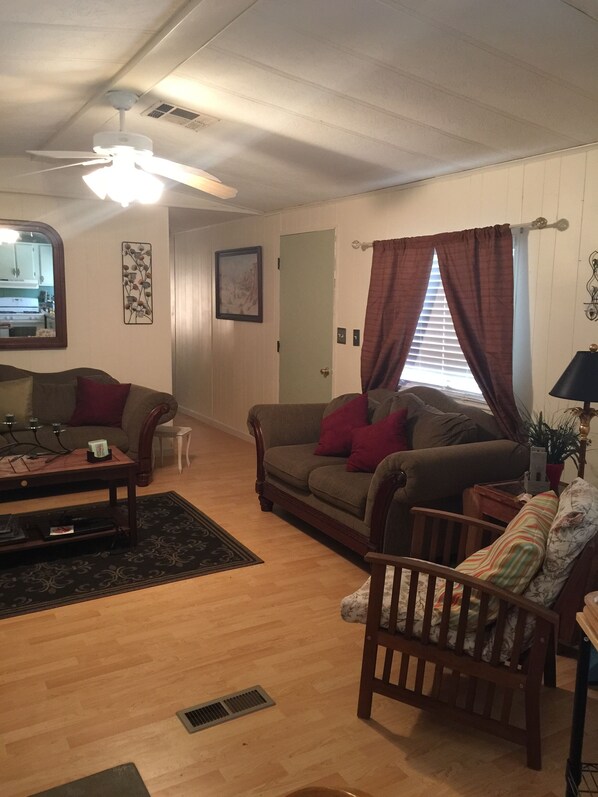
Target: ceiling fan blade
x: 49, y: 153
x: 167, y: 164
x: 188, y: 175
x: 94, y: 162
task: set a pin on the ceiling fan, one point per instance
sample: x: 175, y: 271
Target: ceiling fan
x: 130, y: 166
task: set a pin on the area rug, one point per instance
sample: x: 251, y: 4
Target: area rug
x: 121, y: 781
x: 175, y: 541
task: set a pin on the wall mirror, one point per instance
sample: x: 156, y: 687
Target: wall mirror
x: 32, y: 292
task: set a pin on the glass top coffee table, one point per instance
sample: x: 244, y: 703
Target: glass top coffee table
x: 48, y: 527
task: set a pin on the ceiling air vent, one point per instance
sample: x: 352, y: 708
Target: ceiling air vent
x: 183, y: 117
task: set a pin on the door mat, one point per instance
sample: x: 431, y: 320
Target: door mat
x: 114, y: 782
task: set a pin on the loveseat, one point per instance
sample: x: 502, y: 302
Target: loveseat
x: 450, y: 446
x: 126, y: 418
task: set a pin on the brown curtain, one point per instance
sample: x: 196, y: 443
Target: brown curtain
x: 476, y: 267
x: 477, y: 275
x: 398, y: 283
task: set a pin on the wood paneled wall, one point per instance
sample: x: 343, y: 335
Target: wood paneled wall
x: 223, y: 367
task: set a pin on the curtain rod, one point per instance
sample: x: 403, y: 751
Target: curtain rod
x: 537, y: 224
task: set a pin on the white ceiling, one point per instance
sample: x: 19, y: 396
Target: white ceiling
x: 316, y: 99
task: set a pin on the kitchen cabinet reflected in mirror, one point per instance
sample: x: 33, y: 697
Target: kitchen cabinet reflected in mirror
x: 32, y: 292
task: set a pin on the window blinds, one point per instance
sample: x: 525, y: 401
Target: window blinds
x: 435, y: 357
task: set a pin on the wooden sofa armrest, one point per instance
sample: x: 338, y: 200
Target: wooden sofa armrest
x: 435, y: 473
x: 285, y: 424
x: 282, y: 425
x: 144, y: 410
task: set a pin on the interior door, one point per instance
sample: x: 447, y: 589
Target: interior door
x: 306, y: 316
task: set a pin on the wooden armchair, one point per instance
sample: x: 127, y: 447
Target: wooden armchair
x: 440, y: 658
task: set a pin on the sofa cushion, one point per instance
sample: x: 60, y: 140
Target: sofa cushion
x: 79, y: 437
x: 487, y: 427
x: 99, y: 404
x: 337, y: 427
x: 427, y: 426
x: 293, y: 464
x: 54, y: 402
x: 371, y: 444
x: 16, y: 398
x: 348, y: 491
x: 397, y: 401
x: 431, y: 428
x: 337, y: 402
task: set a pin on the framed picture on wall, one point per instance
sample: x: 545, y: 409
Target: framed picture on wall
x: 239, y: 284
x: 138, y: 302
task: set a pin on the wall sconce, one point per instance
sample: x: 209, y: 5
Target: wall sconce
x: 592, y: 288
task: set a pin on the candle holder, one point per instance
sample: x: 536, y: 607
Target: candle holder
x: 34, y: 447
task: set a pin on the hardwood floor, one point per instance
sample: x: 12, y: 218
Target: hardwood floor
x: 95, y: 684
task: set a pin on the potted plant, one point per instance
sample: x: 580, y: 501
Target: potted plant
x: 558, y: 436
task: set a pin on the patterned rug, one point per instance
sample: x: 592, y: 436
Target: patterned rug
x: 175, y: 541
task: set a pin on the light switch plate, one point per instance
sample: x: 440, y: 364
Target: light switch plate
x: 356, y: 337
x: 341, y: 335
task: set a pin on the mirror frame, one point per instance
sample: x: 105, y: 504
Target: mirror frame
x: 59, y: 341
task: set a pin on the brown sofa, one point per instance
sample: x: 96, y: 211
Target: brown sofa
x: 54, y: 401
x: 453, y: 446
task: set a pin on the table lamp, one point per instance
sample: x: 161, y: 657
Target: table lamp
x: 579, y: 382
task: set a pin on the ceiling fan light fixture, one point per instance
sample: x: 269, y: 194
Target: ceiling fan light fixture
x: 124, y: 183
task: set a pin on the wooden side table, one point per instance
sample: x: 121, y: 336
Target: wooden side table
x: 494, y: 501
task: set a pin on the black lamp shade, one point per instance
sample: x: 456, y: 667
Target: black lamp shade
x: 579, y: 381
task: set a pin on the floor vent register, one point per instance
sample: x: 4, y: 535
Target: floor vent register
x: 214, y: 712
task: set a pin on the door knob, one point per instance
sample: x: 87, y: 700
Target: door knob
x: 325, y: 371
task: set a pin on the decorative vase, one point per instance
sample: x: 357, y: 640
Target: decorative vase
x: 554, y: 471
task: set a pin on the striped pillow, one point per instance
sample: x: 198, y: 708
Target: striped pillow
x: 512, y: 560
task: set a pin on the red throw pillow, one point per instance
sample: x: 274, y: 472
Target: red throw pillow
x: 372, y: 444
x: 336, y: 429
x: 98, y: 403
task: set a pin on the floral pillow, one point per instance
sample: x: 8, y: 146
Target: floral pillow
x: 574, y: 525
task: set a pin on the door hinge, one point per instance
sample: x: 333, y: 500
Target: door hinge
x: 278, y: 346
x: 279, y: 263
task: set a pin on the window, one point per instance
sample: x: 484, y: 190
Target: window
x: 435, y: 357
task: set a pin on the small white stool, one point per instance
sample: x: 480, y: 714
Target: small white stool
x: 175, y: 433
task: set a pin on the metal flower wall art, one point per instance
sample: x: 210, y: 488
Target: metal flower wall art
x: 592, y: 288
x: 137, y: 282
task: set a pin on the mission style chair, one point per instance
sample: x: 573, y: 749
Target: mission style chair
x: 451, y: 659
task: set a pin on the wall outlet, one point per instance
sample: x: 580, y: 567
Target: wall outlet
x: 356, y: 337
x: 341, y: 335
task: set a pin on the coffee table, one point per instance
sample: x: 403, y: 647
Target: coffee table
x: 22, y: 473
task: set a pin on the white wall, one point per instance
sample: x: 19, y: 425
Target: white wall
x: 92, y: 232
x: 223, y: 367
